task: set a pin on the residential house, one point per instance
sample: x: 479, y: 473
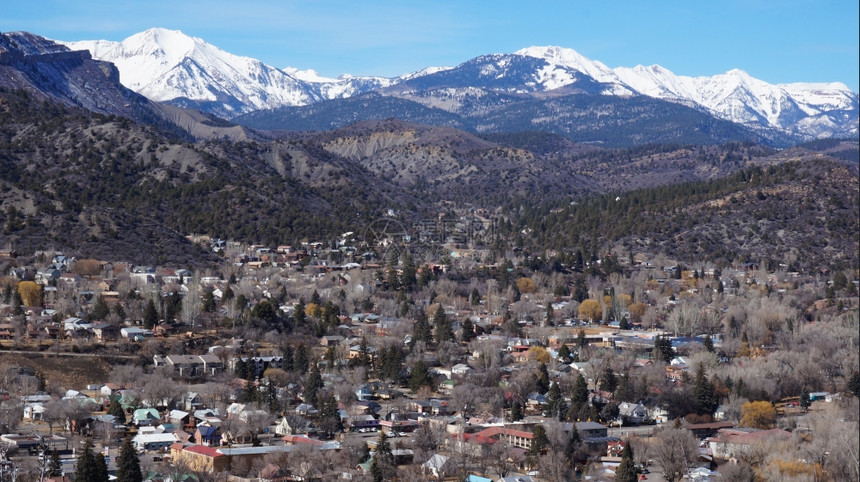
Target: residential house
x: 438, y: 466
x: 331, y: 340
x: 153, y: 441
x: 134, y: 333
x: 634, y: 413
x: 291, y: 425
x: 259, y: 363
x: 433, y: 406
x: 33, y: 411
x: 591, y: 430
x: 461, y: 369
x: 191, y: 401
x: 146, y: 417
x: 363, y: 421
x: 105, y: 331
x: 179, y: 418
x: 706, y: 430
x: 735, y: 442
x: 208, y: 435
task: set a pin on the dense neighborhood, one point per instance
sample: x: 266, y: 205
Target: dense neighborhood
x: 287, y: 365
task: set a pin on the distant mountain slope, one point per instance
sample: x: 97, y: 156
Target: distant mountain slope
x: 170, y: 66
x: 597, y: 119
x: 803, y: 214
x: 51, y: 71
x: 103, y: 186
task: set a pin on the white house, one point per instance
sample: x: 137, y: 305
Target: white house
x: 154, y: 441
x: 632, y: 412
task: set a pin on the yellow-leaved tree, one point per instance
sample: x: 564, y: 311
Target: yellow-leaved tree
x: 31, y: 293
x: 540, y: 354
x: 590, y: 310
x: 526, y: 285
x: 759, y: 414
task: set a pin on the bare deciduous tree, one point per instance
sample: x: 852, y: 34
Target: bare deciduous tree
x: 674, y: 449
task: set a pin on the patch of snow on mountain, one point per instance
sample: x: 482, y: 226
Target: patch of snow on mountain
x: 571, y: 59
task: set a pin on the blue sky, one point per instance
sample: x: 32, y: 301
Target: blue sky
x: 776, y: 41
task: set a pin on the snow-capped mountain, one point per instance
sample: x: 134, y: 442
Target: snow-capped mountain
x: 170, y: 66
x: 734, y: 95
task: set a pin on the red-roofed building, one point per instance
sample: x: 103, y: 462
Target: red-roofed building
x: 516, y: 438
x: 200, y: 458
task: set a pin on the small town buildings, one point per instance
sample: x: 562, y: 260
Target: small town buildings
x: 153, y: 441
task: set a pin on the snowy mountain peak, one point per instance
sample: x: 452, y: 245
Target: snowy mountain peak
x: 168, y: 65
x: 570, y: 59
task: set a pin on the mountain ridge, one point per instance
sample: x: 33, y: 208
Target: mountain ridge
x: 203, y: 76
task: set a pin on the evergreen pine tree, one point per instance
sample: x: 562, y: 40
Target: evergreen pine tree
x: 55, y: 466
x: 625, y: 392
x: 150, y: 315
x: 516, y: 412
x: 364, y: 354
x: 708, y: 343
x: 420, y: 376
x: 539, y: 442
x: 128, y: 463
x: 704, y: 393
x: 542, y: 379
x: 608, y: 380
x: 299, y: 313
x: 853, y: 384
x: 804, y: 399
x: 626, y: 471
x: 382, y: 467
x: 443, y: 326
x: 554, y: 401
x: 581, y: 342
x: 579, y: 396
x: 288, y: 358
x: 313, y: 384
x: 574, y: 442
x: 240, y: 369
x: 101, y: 468
x: 422, y: 331
x: 475, y: 297
x: 564, y: 354
x: 209, y: 304
x: 85, y: 466
x: 100, y: 309
x: 115, y: 409
x: 408, y: 276
x: 467, y: 334
x: 301, y: 362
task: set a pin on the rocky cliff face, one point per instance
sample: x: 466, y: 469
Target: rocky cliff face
x: 51, y: 71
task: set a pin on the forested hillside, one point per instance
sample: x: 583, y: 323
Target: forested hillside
x: 802, y: 214
x: 101, y: 184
